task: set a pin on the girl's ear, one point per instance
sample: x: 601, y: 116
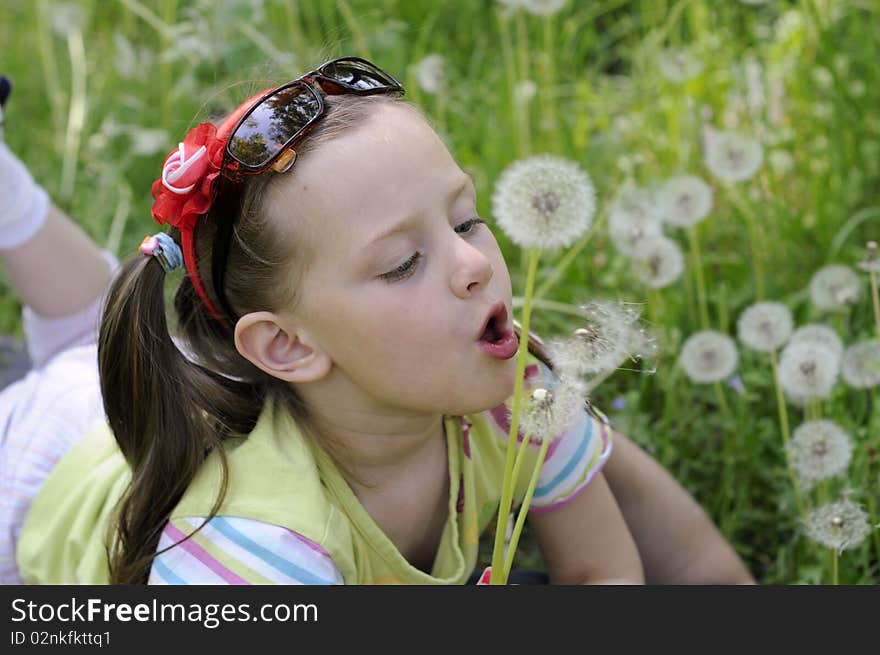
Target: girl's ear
x: 274, y: 347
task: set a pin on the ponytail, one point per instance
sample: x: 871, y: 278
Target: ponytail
x: 165, y: 411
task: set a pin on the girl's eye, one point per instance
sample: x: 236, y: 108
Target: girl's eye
x: 405, y: 269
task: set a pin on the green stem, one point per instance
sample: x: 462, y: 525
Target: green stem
x: 549, y: 99
x: 507, y: 482
x: 524, y: 508
x: 783, y: 424
x: 876, y: 300
x: 754, y: 240
x: 522, y: 48
x: 701, y: 281
x: 570, y: 256
x: 834, y: 579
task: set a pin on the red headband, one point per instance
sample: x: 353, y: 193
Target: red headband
x: 185, y: 190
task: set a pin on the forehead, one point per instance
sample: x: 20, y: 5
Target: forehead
x: 392, y: 166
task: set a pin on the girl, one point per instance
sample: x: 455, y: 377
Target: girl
x: 332, y: 407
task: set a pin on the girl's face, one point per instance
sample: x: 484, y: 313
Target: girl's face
x: 401, y: 278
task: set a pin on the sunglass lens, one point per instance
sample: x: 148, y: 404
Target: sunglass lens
x: 358, y: 74
x: 273, y: 124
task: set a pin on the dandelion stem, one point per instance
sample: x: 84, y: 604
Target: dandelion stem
x: 754, y: 241
x: 76, y: 116
x: 783, y: 424
x: 509, y: 65
x: 522, y: 113
x: 548, y: 96
x: 524, y: 508
x: 701, y: 281
x: 507, y: 482
x: 876, y: 300
x: 834, y: 579
x: 566, y: 261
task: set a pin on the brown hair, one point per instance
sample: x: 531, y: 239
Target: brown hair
x: 167, y: 411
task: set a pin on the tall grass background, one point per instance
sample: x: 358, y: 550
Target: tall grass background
x: 105, y: 88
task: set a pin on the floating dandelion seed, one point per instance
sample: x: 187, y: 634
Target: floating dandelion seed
x: 807, y: 371
x: 840, y: 525
x: 658, y: 261
x: 819, y: 450
x: 633, y: 217
x: 835, y: 287
x: 544, y: 202
x: 430, y: 73
x: 765, y: 326
x: 860, y: 366
x: 684, y: 201
x: 549, y: 413
x: 733, y: 157
x: 543, y: 7
x: 821, y: 334
x: 606, y: 339
x: 678, y: 64
x: 709, y: 356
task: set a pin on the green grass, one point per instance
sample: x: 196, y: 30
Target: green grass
x: 91, y: 82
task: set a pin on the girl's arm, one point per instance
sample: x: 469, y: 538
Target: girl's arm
x: 587, y: 541
x: 678, y: 543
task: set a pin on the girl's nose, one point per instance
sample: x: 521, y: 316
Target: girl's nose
x: 473, y: 268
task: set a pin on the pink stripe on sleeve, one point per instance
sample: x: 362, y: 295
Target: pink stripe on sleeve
x: 203, y: 556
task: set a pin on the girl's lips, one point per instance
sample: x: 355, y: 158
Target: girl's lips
x: 503, y: 348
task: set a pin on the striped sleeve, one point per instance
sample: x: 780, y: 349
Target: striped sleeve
x: 573, y: 458
x: 233, y: 550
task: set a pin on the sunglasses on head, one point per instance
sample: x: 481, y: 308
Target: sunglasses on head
x: 266, y: 135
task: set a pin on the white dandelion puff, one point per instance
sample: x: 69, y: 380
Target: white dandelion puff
x: 860, y: 366
x: 807, y: 371
x: 633, y: 218
x: 547, y: 414
x: 871, y: 263
x: 684, y: 200
x: 678, y: 64
x: 658, y: 261
x: 431, y: 74
x: 733, y: 157
x: 821, y: 334
x: 835, y: 287
x: 709, y: 356
x: 819, y: 450
x: 765, y: 326
x: 543, y: 7
x: 604, y: 341
x: 544, y: 202
x: 840, y: 525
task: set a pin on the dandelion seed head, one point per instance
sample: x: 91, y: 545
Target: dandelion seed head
x: 871, y: 263
x: 543, y: 7
x: 841, y: 525
x: 709, y: 356
x: 601, y: 345
x: 544, y: 202
x: 835, y: 287
x: 633, y: 217
x: 431, y: 74
x: 678, y: 64
x: 821, y: 334
x: 765, y: 326
x: 807, y: 370
x: 658, y: 261
x: 684, y: 200
x: 819, y: 450
x: 547, y: 414
x: 860, y: 365
x: 733, y: 157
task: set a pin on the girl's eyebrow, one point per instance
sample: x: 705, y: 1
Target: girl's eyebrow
x: 408, y: 223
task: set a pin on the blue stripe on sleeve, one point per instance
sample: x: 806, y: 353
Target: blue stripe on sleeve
x: 572, y: 463
x: 287, y: 567
x: 165, y: 573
